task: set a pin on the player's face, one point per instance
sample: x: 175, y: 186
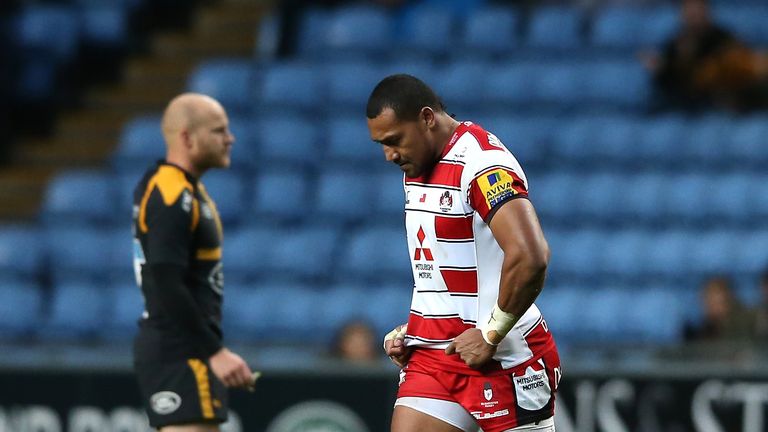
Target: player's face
x: 212, y: 139
x: 405, y: 143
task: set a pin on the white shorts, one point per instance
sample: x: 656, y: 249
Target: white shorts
x: 455, y: 415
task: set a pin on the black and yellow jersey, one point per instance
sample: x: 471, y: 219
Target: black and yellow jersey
x: 177, y: 259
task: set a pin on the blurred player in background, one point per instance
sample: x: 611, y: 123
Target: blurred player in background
x: 476, y: 351
x: 182, y: 367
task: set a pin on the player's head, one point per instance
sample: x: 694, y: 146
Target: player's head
x: 404, y: 116
x: 196, y: 128
x: 695, y: 14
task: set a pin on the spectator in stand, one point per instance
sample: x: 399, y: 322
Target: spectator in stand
x: 706, y: 66
x: 761, y: 311
x: 725, y: 318
x: 356, y: 343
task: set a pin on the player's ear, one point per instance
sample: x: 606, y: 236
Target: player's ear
x: 186, y: 139
x: 428, y: 117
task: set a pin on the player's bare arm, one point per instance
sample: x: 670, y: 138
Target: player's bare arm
x: 516, y: 229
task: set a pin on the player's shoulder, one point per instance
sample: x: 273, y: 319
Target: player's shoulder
x: 476, y: 140
x: 170, y: 182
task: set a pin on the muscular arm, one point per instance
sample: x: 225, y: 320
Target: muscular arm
x: 177, y: 302
x: 526, y: 255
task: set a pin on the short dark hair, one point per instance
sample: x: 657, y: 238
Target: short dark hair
x: 405, y: 94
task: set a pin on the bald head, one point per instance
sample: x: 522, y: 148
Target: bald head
x: 186, y: 112
x: 196, y: 132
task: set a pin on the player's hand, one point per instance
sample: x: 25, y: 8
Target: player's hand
x: 472, y: 348
x: 231, y: 369
x: 394, y: 346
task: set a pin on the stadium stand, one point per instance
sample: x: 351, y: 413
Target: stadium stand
x: 637, y: 206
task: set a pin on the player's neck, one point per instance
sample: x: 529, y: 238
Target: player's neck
x: 183, y: 163
x: 446, y: 129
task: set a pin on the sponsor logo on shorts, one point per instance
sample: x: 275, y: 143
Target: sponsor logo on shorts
x: 165, y: 402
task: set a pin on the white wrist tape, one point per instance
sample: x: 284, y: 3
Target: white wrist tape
x: 398, y: 333
x: 498, y: 326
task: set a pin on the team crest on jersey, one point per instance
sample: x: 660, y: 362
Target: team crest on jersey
x: 496, y: 186
x: 446, y: 202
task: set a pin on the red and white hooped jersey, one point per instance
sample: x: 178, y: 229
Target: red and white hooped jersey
x: 455, y: 259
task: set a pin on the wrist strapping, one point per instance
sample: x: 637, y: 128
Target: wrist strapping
x: 398, y: 333
x: 498, y: 326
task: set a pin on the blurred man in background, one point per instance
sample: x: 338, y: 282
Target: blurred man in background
x: 476, y: 351
x: 181, y: 364
x: 706, y: 66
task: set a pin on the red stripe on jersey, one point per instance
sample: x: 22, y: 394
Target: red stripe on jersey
x: 454, y: 228
x: 494, y: 186
x: 438, y: 329
x: 540, y: 339
x: 460, y: 281
x: 444, y: 174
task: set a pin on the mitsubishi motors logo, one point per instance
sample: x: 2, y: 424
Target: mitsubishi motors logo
x: 419, y: 250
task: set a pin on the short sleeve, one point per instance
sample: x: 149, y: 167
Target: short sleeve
x: 169, y: 237
x: 493, y: 186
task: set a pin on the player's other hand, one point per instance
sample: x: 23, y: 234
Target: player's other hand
x: 472, y: 348
x: 231, y: 369
x: 394, y: 346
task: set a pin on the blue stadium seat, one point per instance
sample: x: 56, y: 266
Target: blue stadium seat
x: 293, y: 86
x: 731, y: 203
x: 230, y: 81
x: 79, y: 197
x: 124, y: 308
x: 746, y: 21
x: 713, y: 252
x: 376, y: 254
x: 686, y: 195
x: 758, y: 196
x: 618, y: 83
x: 604, y: 307
x: 460, y: 83
x: 348, y: 86
x: 245, y: 311
x: 615, y: 139
x: 555, y: 27
x: 620, y: 254
x: 491, y: 30
x: 83, y: 253
x: 390, y: 202
x: 358, y: 30
x: 669, y: 254
x: 660, y: 302
x: 37, y: 79
x: 343, y: 303
x: 751, y: 257
x: 246, y: 252
x: 245, y: 150
x: 105, y: 25
x: 228, y: 191
x: 281, y: 194
x: 419, y: 67
x: 49, y: 30
x: 312, y: 31
x: 509, y: 84
x: 341, y: 192
x: 632, y: 27
x: 288, y: 140
x: 660, y: 138
x: 426, y: 29
x: 348, y: 140
x: 528, y: 138
x: 21, y: 306
x: 574, y: 138
x: 562, y: 308
x: 705, y: 138
x: 391, y: 307
x: 289, y: 257
x: 746, y: 142
x: 77, y: 312
x: 141, y: 143
x: 598, y: 194
x: 561, y: 84
x: 642, y: 197
x: 556, y: 195
x: 22, y: 251
x: 576, y: 253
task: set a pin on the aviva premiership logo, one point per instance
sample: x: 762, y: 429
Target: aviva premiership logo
x: 496, y: 186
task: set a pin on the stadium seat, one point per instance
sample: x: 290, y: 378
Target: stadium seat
x: 713, y: 252
x: 343, y: 303
x: 660, y: 139
x: 348, y: 140
x: 288, y: 140
x: 509, y: 85
x: 244, y: 154
x: 83, y: 253
x: 391, y: 307
x: 104, y: 25
x: 490, y: 30
x: 295, y: 86
x: 228, y: 191
x: 598, y: 194
x: 642, y: 197
x: 576, y: 253
x: 746, y: 21
x: 313, y: 27
x: 562, y: 308
x: 341, y: 194
x: 358, y: 30
x: 280, y: 194
x: 348, y: 86
x: 289, y: 258
x: 77, y: 312
x: 561, y: 85
x: 37, y: 79
x: 376, y: 254
x: 21, y: 306
x: 746, y: 142
x: 620, y: 254
x: 706, y: 138
x: 79, y: 197
x: 246, y: 252
x: 460, y: 83
x: 49, y: 30
x: 390, y: 202
x: 686, y: 196
x: 751, y: 256
x: 660, y: 302
x: 669, y: 253
x: 528, y: 138
x: 140, y: 144
x: 426, y: 29
x: 555, y: 27
x: 22, y: 251
x: 556, y: 195
x: 230, y: 81
x: 618, y: 84
x: 245, y: 310
x: 633, y: 27
x: 125, y: 305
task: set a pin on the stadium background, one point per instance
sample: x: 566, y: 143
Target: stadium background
x: 639, y: 206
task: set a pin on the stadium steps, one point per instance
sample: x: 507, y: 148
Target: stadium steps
x: 86, y: 137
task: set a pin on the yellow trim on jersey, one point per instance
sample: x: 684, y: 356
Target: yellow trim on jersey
x: 213, y: 254
x: 195, y: 215
x: 212, y: 206
x: 171, y: 182
x: 203, y: 386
